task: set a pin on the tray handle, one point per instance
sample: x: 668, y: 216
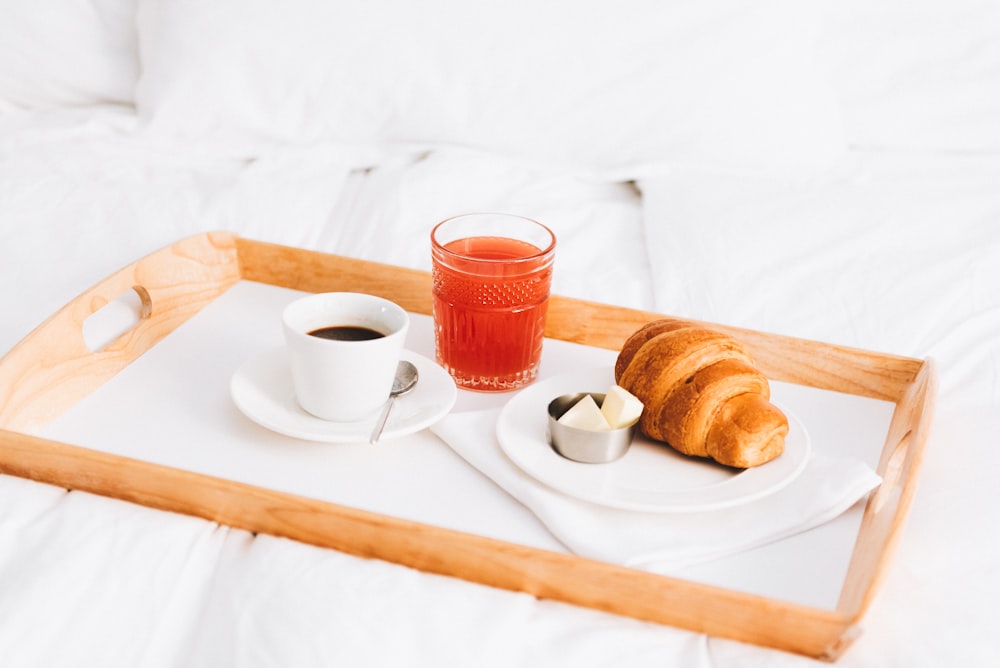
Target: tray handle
x: 53, y: 367
x: 887, y: 507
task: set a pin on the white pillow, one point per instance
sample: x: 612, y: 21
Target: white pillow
x: 916, y: 74
x: 67, y: 52
x: 898, y: 253
x: 599, y: 87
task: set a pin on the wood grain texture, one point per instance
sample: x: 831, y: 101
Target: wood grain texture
x: 899, y: 466
x: 551, y: 575
x: 312, y: 271
x: 52, y: 369
x: 785, y: 358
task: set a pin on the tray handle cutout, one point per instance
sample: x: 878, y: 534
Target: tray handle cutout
x: 103, y: 330
x: 894, y: 469
x: 116, y: 318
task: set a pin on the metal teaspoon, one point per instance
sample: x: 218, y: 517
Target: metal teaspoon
x: 405, y: 380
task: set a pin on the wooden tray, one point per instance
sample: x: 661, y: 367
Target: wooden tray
x: 52, y: 368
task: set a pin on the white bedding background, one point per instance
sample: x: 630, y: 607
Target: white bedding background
x: 825, y: 170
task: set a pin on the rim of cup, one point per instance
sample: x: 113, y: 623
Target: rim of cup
x: 349, y: 309
x: 485, y: 218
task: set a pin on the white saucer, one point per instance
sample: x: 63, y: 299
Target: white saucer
x: 651, y: 476
x: 262, y: 390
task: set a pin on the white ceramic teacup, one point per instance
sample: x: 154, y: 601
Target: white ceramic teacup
x: 337, y: 379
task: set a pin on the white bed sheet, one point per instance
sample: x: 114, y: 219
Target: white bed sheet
x: 908, y: 266
x: 898, y: 253
x: 896, y: 249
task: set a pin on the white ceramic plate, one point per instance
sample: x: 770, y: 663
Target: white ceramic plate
x: 262, y: 390
x: 651, y: 476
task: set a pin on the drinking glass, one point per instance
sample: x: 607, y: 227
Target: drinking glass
x: 491, y: 279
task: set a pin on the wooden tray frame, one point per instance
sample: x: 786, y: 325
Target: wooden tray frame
x: 52, y: 368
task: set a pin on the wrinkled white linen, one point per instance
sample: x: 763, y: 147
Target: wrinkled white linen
x: 183, y: 600
x: 916, y: 74
x: 611, y: 91
x: 897, y: 253
x: 663, y: 542
x: 895, y: 250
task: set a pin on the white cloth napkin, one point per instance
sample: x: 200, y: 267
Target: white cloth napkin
x: 662, y: 541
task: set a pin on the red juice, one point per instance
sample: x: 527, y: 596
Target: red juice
x: 490, y: 299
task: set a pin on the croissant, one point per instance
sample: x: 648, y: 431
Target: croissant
x: 701, y: 393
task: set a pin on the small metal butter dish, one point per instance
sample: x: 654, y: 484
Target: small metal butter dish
x: 584, y: 445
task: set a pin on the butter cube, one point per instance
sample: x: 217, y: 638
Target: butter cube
x: 621, y: 408
x: 585, y: 414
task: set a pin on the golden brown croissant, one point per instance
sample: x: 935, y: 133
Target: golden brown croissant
x: 701, y: 393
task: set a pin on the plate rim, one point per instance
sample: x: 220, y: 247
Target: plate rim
x: 348, y: 432
x: 573, y: 382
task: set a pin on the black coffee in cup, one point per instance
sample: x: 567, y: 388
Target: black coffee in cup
x: 347, y: 333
